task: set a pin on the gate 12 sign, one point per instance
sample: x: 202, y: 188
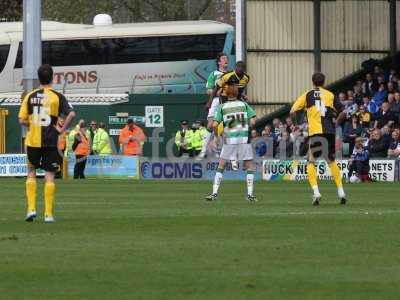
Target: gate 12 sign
x: 154, y: 116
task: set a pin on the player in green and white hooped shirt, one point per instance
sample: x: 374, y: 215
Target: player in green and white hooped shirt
x: 238, y: 119
x: 213, y: 102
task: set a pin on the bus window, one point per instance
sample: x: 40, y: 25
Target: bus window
x: 199, y: 47
x: 4, y: 50
x: 136, y: 50
x: 129, y: 50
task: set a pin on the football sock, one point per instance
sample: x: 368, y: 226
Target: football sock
x: 31, y: 194
x: 312, y: 178
x: 337, y: 177
x: 217, y: 180
x: 206, y: 139
x: 49, y: 190
x: 250, y: 182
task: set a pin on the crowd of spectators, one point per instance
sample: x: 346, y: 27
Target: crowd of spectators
x: 372, y: 110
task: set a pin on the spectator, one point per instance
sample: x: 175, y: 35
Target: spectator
x: 380, y: 95
x: 278, y: 128
x: 289, y: 124
x: 350, y: 96
x: 359, y: 161
x: 101, y: 141
x: 384, y: 116
x: 390, y: 99
x: 369, y: 86
x: 132, y: 139
x: 365, y: 117
x: 254, y: 135
x: 395, y: 81
x: 183, y: 139
x: 297, y: 138
x: 377, y: 73
x: 395, y: 107
x: 267, y: 142
x: 376, y: 145
x: 81, y: 147
x: 392, y: 73
x: 258, y: 144
x: 285, y: 146
x: 359, y: 83
x: 352, y: 130
x: 386, y: 134
x: 394, y: 148
x: 358, y: 97
x: 342, y: 98
x: 370, y: 105
x: 269, y: 133
x: 390, y: 88
x: 381, y: 80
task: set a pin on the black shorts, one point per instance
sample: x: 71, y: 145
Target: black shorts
x: 322, y: 146
x: 46, y: 158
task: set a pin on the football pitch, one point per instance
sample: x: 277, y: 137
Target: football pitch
x: 160, y: 240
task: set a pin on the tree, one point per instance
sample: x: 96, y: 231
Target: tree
x: 11, y: 10
x: 83, y: 11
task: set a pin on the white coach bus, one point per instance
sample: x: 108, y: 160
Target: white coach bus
x: 162, y: 57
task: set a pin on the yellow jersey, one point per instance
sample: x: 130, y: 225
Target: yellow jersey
x: 321, y: 108
x: 42, y: 108
x: 232, y: 78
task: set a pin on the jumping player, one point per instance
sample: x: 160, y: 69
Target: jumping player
x: 213, y: 99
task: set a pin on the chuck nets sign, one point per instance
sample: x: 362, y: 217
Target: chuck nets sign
x: 380, y: 170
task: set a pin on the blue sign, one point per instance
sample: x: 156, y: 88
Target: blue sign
x: 191, y: 169
x: 108, y: 166
x: 171, y: 170
x: 15, y: 165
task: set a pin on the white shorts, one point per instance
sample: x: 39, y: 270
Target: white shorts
x: 213, y: 108
x: 238, y: 152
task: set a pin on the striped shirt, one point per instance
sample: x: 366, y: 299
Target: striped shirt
x: 213, y: 78
x: 235, y: 116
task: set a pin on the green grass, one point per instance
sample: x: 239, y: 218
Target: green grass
x: 160, y: 240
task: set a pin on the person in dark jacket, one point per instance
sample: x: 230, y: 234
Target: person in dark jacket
x: 359, y: 161
x: 352, y: 130
x: 384, y: 116
x: 395, y: 107
x: 394, y: 148
x: 285, y: 147
x: 377, y: 145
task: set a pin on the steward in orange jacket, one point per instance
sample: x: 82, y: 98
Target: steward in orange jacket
x: 132, y: 139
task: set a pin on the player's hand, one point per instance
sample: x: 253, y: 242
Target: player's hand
x: 245, y: 98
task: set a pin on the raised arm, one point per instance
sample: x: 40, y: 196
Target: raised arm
x: 299, y: 104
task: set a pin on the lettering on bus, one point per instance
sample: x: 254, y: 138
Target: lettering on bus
x: 75, y: 77
x: 159, y: 76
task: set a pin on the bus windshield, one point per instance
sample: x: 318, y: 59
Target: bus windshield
x: 4, y: 50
